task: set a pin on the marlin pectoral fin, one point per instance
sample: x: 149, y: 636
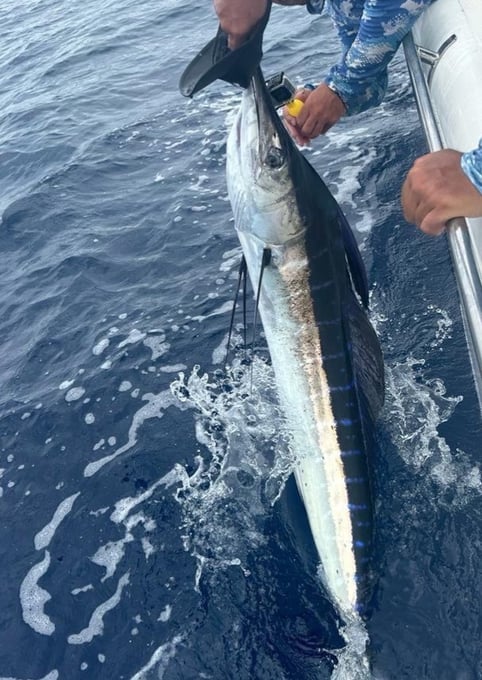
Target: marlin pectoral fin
x: 354, y: 259
x: 216, y: 61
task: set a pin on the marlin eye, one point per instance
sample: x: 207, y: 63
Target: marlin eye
x: 275, y: 157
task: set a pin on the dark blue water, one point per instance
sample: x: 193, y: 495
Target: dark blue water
x: 148, y: 523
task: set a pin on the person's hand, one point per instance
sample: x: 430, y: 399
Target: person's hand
x: 322, y: 109
x: 436, y: 190
x: 238, y: 18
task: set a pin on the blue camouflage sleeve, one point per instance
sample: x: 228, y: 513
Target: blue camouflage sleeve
x: 370, y: 32
x: 472, y: 166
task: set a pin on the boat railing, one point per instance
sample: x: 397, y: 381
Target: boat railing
x: 458, y: 236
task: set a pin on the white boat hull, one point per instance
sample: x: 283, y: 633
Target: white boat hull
x: 448, y: 39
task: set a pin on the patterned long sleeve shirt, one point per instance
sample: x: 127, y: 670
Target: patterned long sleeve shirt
x: 370, y: 32
x: 472, y: 166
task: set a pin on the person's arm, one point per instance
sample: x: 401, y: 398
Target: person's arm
x: 370, y: 32
x: 443, y: 185
x: 238, y: 17
x: 360, y: 78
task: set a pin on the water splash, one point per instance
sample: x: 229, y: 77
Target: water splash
x: 353, y: 663
x: 414, y: 411
x: 242, y: 464
x: 415, y: 408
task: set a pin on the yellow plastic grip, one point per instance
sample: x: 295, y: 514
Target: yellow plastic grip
x: 294, y: 107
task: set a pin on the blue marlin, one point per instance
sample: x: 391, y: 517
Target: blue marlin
x: 304, y: 262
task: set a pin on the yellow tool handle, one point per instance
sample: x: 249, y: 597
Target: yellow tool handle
x: 294, y: 107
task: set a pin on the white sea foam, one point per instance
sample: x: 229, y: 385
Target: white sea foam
x: 110, y: 555
x: 147, y: 547
x: 155, y: 407
x: 44, y: 536
x: 134, y: 336
x: 124, y: 506
x: 74, y: 394
x: 100, y: 347
x: 165, y: 615
x: 359, y: 156
x: 174, y: 368
x: 160, y: 659
x: 96, y: 623
x: 33, y: 599
x: 84, y: 589
x: 157, y: 345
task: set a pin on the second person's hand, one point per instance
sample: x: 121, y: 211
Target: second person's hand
x: 436, y: 190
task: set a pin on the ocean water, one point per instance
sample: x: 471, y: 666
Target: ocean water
x: 148, y: 522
